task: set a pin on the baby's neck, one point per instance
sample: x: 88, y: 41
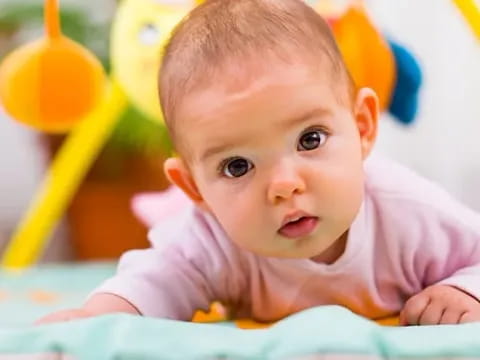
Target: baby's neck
x: 334, y: 252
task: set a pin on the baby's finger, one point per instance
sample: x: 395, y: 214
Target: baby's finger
x: 62, y: 316
x: 413, y: 309
x: 57, y: 317
x: 450, y: 316
x: 469, y: 316
x: 432, y: 314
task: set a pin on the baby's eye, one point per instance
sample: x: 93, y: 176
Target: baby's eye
x: 311, y: 140
x: 236, y: 167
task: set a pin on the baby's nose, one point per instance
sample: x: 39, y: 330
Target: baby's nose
x: 284, y: 184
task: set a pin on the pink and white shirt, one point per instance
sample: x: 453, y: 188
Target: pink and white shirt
x: 409, y: 234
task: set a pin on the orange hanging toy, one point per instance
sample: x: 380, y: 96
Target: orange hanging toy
x: 52, y: 83
x: 367, y: 54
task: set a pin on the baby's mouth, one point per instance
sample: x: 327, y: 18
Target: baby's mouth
x: 299, y: 227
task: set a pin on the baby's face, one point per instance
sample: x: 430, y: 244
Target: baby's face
x: 277, y: 159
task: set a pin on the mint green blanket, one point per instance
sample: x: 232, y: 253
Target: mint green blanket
x: 327, y: 333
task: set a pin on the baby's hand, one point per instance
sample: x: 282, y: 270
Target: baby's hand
x: 64, y: 315
x: 98, y: 304
x: 440, y: 304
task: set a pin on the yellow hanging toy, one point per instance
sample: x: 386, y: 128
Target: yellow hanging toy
x: 470, y: 10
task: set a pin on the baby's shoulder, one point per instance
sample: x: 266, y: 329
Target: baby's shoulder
x: 386, y: 178
x: 193, y: 232
x: 399, y: 194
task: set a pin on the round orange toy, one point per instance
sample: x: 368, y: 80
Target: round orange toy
x: 52, y: 83
x: 366, y: 53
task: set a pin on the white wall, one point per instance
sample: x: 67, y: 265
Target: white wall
x: 444, y: 144
x: 20, y: 171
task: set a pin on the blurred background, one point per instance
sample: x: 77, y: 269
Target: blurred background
x: 441, y: 144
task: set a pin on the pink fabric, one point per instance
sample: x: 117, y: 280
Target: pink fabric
x: 408, y: 235
x: 154, y: 207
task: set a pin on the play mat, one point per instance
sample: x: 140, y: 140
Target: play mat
x: 326, y: 333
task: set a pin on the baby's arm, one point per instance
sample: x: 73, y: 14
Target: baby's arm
x: 195, y: 266
x: 448, y: 266
x: 98, y: 304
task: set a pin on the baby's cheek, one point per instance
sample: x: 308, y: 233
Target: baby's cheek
x: 240, y: 218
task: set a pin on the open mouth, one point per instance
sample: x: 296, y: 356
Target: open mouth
x: 299, y: 227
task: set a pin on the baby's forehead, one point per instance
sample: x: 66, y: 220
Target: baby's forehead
x: 242, y: 78
x: 226, y: 115
x: 244, y: 68
x: 238, y: 76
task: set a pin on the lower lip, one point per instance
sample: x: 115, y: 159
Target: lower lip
x: 298, y: 229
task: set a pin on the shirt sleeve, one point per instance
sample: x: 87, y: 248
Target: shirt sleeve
x: 435, y: 238
x: 451, y: 253
x: 190, y: 265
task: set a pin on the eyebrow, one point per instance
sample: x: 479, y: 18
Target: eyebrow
x: 289, y: 123
x: 315, y: 113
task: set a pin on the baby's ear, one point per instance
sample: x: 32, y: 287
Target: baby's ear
x: 366, y: 116
x: 179, y: 174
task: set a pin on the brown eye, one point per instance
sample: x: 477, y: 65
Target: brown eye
x: 311, y: 140
x: 237, y: 167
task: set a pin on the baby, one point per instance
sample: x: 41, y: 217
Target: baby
x: 286, y: 211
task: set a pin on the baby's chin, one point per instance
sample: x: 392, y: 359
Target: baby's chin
x: 295, y: 249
